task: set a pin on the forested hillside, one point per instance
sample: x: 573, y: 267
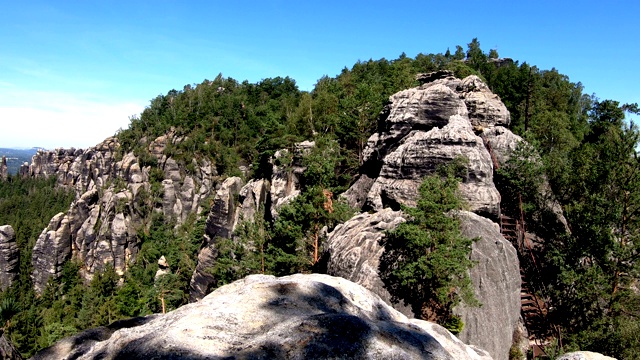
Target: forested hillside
x: 582, y: 154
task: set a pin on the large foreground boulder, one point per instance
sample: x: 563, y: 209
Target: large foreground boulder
x: 584, y: 355
x: 263, y: 317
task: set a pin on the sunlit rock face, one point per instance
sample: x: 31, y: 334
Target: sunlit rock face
x: 423, y: 128
x: 263, y: 317
x: 9, y: 257
x: 114, y: 200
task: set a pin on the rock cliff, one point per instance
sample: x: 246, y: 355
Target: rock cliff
x: 425, y: 127
x: 7, y: 350
x: 9, y: 257
x: 260, y: 317
x: 234, y: 202
x: 496, y: 282
x: 420, y: 129
x: 114, y: 198
x: 4, y: 169
x: 354, y: 252
x: 285, y: 178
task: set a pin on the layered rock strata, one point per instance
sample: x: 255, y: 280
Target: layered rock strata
x: 423, y: 128
x: 9, y: 257
x: 286, y: 173
x: 354, y: 250
x: 260, y: 317
x: 114, y: 200
x: 496, y: 282
x: 234, y: 202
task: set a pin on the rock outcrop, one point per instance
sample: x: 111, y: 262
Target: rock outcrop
x: 584, y: 355
x: 420, y: 129
x: 4, y: 169
x: 9, y: 257
x: 423, y: 128
x: 52, y: 250
x: 259, y: 317
x: 496, y: 283
x: 114, y: 198
x: 221, y: 221
x: 354, y: 251
x: 7, y: 350
x: 285, y: 178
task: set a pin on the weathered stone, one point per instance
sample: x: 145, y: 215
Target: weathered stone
x: 221, y: 222
x: 50, y: 252
x: 502, y: 141
x: 285, y: 179
x: 353, y: 251
x: 251, y: 198
x: 485, y: 108
x: 9, y: 257
x: 357, y: 193
x: 7, y: 350
x: 423, y: 128
x: 420, y: 153
x: 112, y: 199
x: 163, y: 267
x: 584, y: 355
x: 432, y: 76
x: 496, y: 282
x: 4, y: 169
x: 260, y: 317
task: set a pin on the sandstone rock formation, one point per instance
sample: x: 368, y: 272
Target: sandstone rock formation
x: 285, y: 180
x: 7, y: 350
x: 584, y: 355
x: 9, y: 256
x: 220, y: 224
x: 422, y: 128
x: 260, y: 317
x: 4, y: 169
x: 496, y: 282
x: 52, y: 249
x: 354, y: 251
x: 113, y: 200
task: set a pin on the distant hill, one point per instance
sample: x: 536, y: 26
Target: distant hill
x: 16, y: 157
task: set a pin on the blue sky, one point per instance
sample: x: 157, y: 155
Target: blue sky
x: 72, y: 72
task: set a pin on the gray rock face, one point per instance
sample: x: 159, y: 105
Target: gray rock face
x: 4, y: 169
x: 425, y: 127
x: 112, y: 201
x: 502, y: 141
x: 221, y: 222
x: 584, y: 355
x: 496, y: 279
x: 7, y: 350
x: 285, y: 180
x: 52, y: 249
x: 259, y: 317
x: 485, y: 108
x: 354, y: 253
x: 251, y: 198
x: 9, y: 257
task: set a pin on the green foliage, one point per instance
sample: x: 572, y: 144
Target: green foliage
x: 426, y: 260
x: 584, y: 148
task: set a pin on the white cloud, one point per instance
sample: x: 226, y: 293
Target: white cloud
x: 51, y: 119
